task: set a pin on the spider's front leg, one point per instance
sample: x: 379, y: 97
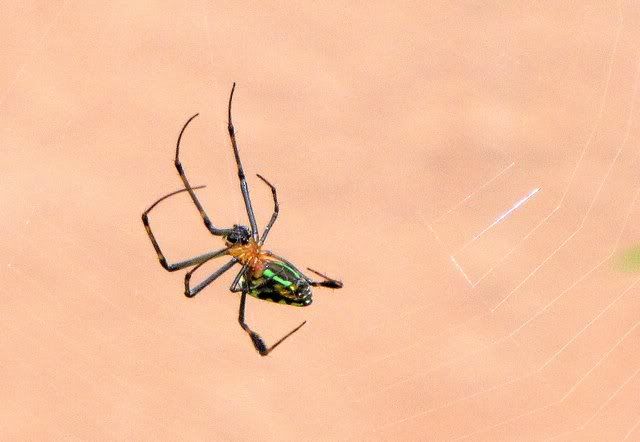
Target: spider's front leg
x: 258, y: 342
x: 328, y: 282
x: 244, y: 188
x: 276, y: 210
x: 205, y: 218
x: 163, y: 260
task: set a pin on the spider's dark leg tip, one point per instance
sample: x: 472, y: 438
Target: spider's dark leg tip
x: 259, y: 344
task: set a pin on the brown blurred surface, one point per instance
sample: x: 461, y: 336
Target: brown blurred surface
x: 396, y: 136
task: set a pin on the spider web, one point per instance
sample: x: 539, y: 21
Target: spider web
x: 569, y: 328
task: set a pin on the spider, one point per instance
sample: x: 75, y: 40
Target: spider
x: 263, y: 275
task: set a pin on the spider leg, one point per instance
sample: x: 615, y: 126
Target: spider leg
x: 276, y: 209
x: 236, y: 281
x: 191, y: 292
x: 207, y: 222
x: 258, y: 342
x: 156, y: 246
x: 328, y: 282
x: 243, y: 181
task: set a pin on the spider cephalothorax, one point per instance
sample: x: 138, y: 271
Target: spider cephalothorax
x: 237, y: 235
x: 263, y: 275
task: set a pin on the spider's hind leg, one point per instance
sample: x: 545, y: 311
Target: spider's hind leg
x: 258, y: 342
x: 256, y: 339
x: 328, y: 282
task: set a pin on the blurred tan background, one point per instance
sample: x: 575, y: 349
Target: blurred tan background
x: 397, y: 134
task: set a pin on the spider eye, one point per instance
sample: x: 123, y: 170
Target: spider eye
x: 239, y: 234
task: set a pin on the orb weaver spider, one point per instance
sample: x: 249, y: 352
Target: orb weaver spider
x: 263, y: 275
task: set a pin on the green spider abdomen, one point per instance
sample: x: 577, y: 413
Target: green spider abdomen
x: 280, y: 282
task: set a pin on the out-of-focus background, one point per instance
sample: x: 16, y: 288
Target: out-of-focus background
x: 469, y: 171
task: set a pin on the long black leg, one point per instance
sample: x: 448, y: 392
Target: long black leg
x: 191, y: 292
x: 156, y: 246
x: 243, y: 181
x: 235, y: 285
x: 207, y: 222
x: 258, y: 342
x: 328, y: 282
x: 276, y: 209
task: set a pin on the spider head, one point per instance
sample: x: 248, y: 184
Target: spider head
x: 238, y: 235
